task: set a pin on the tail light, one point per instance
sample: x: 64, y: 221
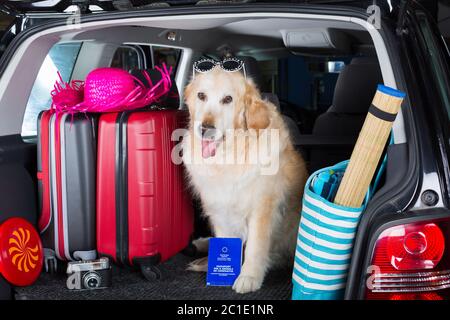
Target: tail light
x: 411, y: 262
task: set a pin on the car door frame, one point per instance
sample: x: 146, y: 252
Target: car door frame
x: 430, y: 154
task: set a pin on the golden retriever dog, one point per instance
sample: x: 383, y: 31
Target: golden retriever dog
x: 245, y: 198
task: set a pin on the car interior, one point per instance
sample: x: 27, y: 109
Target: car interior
x: 320, y: 72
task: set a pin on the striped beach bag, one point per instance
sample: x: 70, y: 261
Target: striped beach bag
x: 325, y: 242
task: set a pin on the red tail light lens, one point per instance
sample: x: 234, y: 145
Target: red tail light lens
x: 415, y: 247
x: 416, y: 296
x: 410, y: 262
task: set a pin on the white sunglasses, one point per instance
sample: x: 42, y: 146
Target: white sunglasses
x: 227, y: 64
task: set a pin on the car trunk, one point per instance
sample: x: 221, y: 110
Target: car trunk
x: 259, y: 32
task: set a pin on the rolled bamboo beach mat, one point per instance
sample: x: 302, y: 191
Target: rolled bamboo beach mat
x: 369, y: 147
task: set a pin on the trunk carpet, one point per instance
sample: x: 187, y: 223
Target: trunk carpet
x: 176, y: 283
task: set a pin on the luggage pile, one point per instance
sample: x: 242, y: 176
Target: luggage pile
x: 108, y: 186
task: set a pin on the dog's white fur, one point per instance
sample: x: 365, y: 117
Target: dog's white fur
x: 262, y: 210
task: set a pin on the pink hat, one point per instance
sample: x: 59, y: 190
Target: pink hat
x: 109, y: 90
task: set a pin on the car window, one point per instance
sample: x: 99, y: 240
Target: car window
x: 169, y: 56
x: 335, y: 66
x: 5, y: 22
x: 61, y: 57
x: 303, y: 85
x: 129, y: 58
x: 269, y: 75
x: 437, y: 62
x: 311, y: 80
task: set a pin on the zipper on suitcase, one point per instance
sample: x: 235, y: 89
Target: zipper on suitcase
x: 121, y: 188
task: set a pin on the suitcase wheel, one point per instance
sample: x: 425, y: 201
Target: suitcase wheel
x: 50, y: 261
x: 151, y: 273
x: 51, y: 266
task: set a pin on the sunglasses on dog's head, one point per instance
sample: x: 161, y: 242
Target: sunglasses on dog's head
x: 227, y: 64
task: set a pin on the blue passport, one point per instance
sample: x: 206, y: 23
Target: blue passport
x: 224, y: 261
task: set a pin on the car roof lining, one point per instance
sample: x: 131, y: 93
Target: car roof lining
x: 241, y: 35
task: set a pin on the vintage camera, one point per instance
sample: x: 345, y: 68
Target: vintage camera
x: 89, y: 274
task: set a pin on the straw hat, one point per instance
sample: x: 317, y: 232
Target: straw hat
x: 109, y: 90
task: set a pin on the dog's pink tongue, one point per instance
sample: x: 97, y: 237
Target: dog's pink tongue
x: 208, y: 148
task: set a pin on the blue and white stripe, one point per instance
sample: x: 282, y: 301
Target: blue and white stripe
x: 324, y: 245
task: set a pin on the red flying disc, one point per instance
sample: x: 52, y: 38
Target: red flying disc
x: 21, y: 256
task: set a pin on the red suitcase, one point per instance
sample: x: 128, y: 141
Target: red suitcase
x: 144, y: 212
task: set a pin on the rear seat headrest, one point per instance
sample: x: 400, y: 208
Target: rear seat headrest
x: 356, y: 86
x: 272, y: 98
x: 252, y: 70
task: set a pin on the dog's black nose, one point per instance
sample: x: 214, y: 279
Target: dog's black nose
x: 207, y: 130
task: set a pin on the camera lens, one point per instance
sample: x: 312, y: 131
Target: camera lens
x: 91, y: 280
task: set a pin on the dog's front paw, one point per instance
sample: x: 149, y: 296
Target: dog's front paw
x: 201, y: 244
x: 199, y: 265
x: 247, y: 283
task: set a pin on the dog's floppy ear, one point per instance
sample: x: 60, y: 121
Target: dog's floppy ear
x: 256, y: 113
x: 188, y: 91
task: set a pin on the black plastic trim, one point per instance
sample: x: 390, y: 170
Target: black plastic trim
x: 122, y: 236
